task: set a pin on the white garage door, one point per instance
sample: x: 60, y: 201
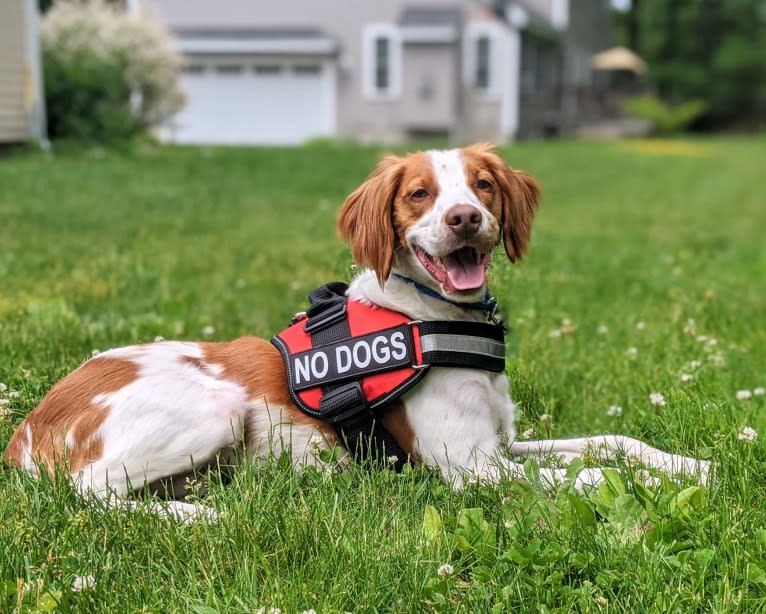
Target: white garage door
x: 238, y: 102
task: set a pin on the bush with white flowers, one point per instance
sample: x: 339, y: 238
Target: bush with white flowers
x: 108, y: 74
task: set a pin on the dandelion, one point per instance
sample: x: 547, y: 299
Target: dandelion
x: 747, y: 433
x: 632, y: 352
x: 640, y: 325
x: 528, y: 434
x: 614, y: 410
x: 744, y: 395
x: 602, y: 329
x: 445, y: 570
x: 656, y: 398
x: 208, y: 330
x: 686, y: 377
x: 83, y: 583
x: 759, y: 392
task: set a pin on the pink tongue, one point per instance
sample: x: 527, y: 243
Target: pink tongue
x: 462, y: 269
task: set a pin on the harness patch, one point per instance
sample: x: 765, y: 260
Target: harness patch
x: 352, y: 358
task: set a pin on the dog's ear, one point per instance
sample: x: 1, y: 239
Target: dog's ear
x: 366, y: 218
x: 520, y: 196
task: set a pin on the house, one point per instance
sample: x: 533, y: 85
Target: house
x: 286, y: 72
x: 22, y: 104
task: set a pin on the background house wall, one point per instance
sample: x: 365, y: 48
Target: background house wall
x: 22, y: 108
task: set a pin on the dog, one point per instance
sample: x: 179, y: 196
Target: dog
x: 423, y: 228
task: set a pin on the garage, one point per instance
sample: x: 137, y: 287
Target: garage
x: 256, y: 87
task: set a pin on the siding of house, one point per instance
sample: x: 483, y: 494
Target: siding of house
x: 13, y: 117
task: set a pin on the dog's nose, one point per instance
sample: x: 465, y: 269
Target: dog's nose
x: 464, y: 220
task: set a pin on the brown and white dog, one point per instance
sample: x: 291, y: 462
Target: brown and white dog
x: 152, y: 413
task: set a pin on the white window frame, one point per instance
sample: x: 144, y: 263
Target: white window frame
x: 474, y: 33
x: 370, y: 35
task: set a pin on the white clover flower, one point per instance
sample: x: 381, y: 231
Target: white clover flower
x: 4, y: 402
x: 13, y: 394
x: 614, y: 410
x: 759, y: 392
x: 545, y: 418
x: 702, y: 338
x: 3, y: 387
x: 632, y: 352
x: 690, y: 327
x: 744, y: 395
x: 315, y: 445
x: 686, y: 377
x: 747, y: 433
x: 695, y: 364
x: 309, y: 611
x: 656, y: 398
x: 556, y: 332
x: 640, y: 325
x: 208, y: 330
x: 391, y: 460
x: 717, y: 360
x: 445, y: 570
x: 83, y: 583
x: 159, y: 338
x: 712, y: 341
x: 528, y: 434
x: 602, y: 329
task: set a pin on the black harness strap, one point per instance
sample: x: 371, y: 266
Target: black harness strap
x: 344, y: 406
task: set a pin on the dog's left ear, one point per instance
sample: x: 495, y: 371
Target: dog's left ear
x: 366, y: 218
x: 520, y: 198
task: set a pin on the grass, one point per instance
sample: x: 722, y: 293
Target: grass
x: 646, y: 256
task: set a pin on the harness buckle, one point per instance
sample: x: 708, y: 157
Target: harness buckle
x: 343, y: 403
x: 326, y: 317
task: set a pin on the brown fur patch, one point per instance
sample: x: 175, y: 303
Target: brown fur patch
x: 69, y: 408
x: 257, y: 366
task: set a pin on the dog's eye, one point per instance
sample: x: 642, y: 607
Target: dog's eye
x: 419, y: 194
x: 483, y: 184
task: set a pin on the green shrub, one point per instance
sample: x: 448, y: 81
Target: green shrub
x: 108, y: 74
x: 664, y: 118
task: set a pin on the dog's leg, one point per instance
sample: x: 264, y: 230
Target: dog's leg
x: 607, y: 448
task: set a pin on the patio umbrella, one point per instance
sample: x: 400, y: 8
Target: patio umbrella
x: 618, y: 58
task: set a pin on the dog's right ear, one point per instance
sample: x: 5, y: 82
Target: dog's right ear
x: 366, y: 218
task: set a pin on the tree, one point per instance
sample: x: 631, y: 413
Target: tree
x: 713, y: 50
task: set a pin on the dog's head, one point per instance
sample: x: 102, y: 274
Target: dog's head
x: 436, y: 217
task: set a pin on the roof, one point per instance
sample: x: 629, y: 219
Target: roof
x: 290, y: 40
x: 421, y: 24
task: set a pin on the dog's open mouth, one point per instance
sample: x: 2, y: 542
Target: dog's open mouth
x: 460, y: 271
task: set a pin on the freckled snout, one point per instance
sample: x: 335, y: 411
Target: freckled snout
x: 463, y: 220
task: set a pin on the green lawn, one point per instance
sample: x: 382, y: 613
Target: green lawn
x: 648, y: 263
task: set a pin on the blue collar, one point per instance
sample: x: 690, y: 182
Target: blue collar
x: 488, y: 304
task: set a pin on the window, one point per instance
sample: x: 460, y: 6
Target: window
x: 194, y: 69
x: 267, y: 69
x: 382, y: 63
x: 382, y: 58
x: 229, y: 69
x: 307, y: 70
x: 482, y: 75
